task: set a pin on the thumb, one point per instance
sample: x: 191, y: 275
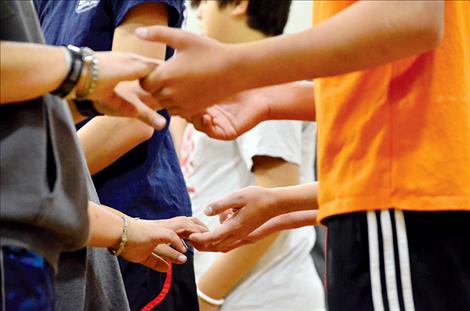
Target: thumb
x: 233, y: 201
x: 175, y: 38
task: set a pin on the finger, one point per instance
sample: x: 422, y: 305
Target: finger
x: 234, y: 200
x: 150, y: 117
x: 152, y: 82
x: 177, y: 39
x: 172, y: 238
x: 223, y: 217
x: 170, y: 254
x: 216, y: 236
x: 156, y: 263
x: 199, y: 222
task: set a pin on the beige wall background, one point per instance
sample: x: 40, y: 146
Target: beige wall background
x: 300, y: 17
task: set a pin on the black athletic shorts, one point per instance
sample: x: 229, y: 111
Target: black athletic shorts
x: 394, y: 260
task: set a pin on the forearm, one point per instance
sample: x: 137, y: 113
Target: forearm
x: 293, y: 199
x: 106, y: 139
x: 222, y: 277
x: 105, y: 226
x: 122, y: 134
x: 30, y: 70
x: 269, y: 172
x: 291, y: 101
x: 292, y: 220
x: 365, y: 35
x: 177, y: 128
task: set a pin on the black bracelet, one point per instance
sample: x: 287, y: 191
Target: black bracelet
x: 86, y: 108
x: 75, y: 71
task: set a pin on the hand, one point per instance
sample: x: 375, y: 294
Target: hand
x: 201, y: 73
x: 234, y: 116
x: 241, y: 212
x: 287, y: 221
x: 204, y: 306
x: 127, y: 100
x: 145, y: 235
x: 184, y: 226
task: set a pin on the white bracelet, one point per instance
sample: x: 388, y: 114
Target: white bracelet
x: 210, y: 300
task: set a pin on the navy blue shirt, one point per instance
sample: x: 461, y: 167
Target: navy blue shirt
x: 147, y: 181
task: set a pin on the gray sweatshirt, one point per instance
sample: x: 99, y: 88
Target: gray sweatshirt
x: 43, y: 195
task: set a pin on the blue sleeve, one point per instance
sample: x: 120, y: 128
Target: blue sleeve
x: 122, y: 7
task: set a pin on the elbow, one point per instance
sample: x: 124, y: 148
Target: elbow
x: 144, y: 132
x: 433, y: 35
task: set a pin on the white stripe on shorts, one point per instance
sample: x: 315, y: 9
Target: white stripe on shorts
x: 374, y: 261
x: 389, y: 261
x: 403, y: 253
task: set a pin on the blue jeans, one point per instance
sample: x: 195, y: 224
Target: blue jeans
x: 27, y: 280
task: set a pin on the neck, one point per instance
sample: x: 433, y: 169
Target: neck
x: 244, y: 34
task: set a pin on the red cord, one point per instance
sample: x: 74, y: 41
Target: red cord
x: 166, y: 288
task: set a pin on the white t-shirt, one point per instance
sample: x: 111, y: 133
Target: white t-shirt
x: 285, y: 278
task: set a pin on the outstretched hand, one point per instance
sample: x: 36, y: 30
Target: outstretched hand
x: 233, y: 116
x: 241, y: 213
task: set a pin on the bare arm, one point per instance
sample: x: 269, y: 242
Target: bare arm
x: 148, y: 240
x: 269, y: 172
x: 177, y: 127
x: 123, y: 134
x: 20, y: 65
x: 365, y: 35
x: 245, y: 211
x: 240, y: 113
x: 29, y: 71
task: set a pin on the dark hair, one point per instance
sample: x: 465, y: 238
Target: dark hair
x: 267, y: 16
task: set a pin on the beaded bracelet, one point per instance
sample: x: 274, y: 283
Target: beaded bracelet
x: 123, y: 242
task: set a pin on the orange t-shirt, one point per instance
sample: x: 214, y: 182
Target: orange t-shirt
x: 398, y: 135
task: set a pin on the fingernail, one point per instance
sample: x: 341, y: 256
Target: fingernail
x: 181, y: 258
x: 142, y: 32
x: 208, y: 211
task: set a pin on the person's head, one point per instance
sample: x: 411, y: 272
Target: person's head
x: 225, y: 20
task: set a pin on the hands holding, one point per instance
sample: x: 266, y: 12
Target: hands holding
x: 118, y: 92
x: 191, y: 80
x: 253, y: 213
x: 154, y: 243
x: 241, y: 213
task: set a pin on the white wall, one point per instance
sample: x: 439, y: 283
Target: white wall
x: 300, y: 17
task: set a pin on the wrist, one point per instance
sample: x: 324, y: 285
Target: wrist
x: 118, y: 248
x: 62, y: 66
x: 273, y: 205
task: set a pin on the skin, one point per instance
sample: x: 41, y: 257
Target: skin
x: 372, y: 33
x: 246, y: 214
x: 229, y: 25
x: 147, y: 239
x: 123, y: 134
x: 21, y: 63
